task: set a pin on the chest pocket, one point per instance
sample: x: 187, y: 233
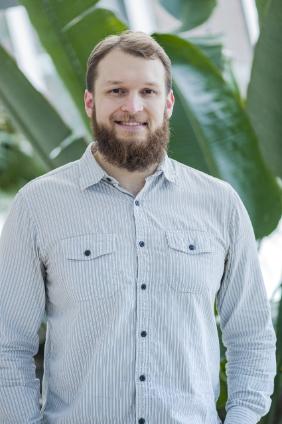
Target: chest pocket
x: 194, y: 263
x: 90, y: 266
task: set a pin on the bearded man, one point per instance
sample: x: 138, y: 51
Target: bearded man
x: 127, y: 251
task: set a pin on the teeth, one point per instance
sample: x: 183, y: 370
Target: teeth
x: 131, y: 123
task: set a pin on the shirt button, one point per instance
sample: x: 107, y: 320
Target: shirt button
x: 137, y: 202
x: 143, y: 286
x: 142, y: 378
x: 141, y: 421
x: 143, y: 333
x: 141, y: 243
x: 192, y: 247
x: 87, y: 252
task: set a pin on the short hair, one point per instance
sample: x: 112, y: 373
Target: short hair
x: 136, y: 43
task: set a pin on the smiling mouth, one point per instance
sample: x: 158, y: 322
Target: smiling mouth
x: 131, y: 124
x: 131, y: 127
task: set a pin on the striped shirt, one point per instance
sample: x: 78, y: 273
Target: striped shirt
x: 128, y: 285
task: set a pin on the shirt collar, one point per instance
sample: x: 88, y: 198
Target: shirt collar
x: 91, y: 171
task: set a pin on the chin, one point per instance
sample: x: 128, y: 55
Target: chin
x: 131, y: 137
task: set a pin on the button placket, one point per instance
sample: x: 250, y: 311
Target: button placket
x: 142, y: 317
x: 143, y: 333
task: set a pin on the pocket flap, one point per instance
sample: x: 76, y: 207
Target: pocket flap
x: 191, y: 242
x: 89, y: 246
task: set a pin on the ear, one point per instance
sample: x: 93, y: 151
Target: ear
x: 88, y: 103
x: 169, y: 103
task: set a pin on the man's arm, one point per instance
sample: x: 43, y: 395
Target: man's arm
x: 245, y: 320
x: 22, y: 304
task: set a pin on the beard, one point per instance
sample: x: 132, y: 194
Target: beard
x: 132, y: 153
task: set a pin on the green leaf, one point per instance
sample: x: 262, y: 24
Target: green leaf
x: 189, y: 13
x: 262, y: 8
x: 69, y: 31
x: 34, y: 116
x: 223, y: 132
x: 212, y: 48
x: 221, y: 402
x: 264, y: 97
x: 12, y: 158
x: 211, y: 45
x: 182, y: 130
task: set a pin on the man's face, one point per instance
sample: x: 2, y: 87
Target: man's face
x: 130, y: 110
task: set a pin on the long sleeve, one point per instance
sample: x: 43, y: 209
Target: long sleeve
x: 22, y: 305
x: 245, y: 320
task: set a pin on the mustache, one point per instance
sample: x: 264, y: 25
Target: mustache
x: 129, y: 118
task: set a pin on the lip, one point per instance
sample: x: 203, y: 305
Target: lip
x: 131, y: 128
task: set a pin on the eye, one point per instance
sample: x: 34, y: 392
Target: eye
x: 116, y: 90
x: 149, y: 91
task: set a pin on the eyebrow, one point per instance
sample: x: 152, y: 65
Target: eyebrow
x: 109, y: 82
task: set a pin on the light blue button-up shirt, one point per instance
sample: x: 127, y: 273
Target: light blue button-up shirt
x: 128, y: 284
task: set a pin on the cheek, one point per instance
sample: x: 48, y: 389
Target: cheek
x: 157, y: 118
x: 104, y: 111
x: 157, y: 113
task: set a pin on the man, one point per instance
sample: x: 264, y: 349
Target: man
x: 127, y: 250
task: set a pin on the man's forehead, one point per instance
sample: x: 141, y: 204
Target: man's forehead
x: 113, y: 70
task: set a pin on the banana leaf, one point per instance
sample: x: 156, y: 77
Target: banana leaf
x: 211, y: 45
x: 262, y: 8
x: 189, y: 13
x: 264, y: 96
x: 13, y: 158
x: 35, y: 117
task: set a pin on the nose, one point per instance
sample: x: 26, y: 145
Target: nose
x: 132, y: 104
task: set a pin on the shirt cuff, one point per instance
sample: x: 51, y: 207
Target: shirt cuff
x: 241, y: 415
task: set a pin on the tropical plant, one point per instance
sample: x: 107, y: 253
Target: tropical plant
x: 35, y: 117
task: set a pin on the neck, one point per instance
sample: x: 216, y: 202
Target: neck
x: 121, y: 174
